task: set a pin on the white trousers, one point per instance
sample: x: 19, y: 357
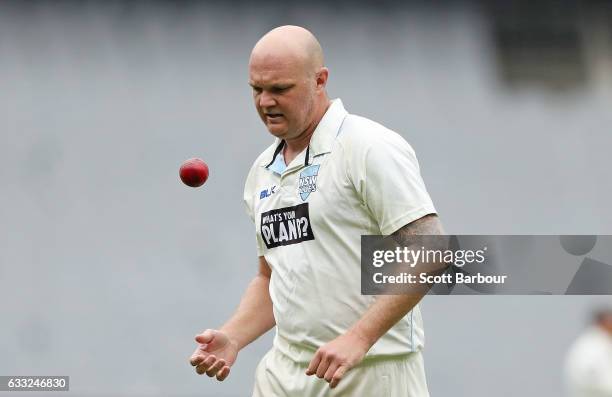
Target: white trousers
x: 403, y: 376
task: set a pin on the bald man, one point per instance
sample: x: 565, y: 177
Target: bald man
x: 328, y: 178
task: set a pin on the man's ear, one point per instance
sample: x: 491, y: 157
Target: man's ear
x: 322, y: 76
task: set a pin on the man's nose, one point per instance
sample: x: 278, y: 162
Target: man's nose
x: 266, y: 100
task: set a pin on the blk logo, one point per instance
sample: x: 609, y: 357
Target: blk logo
x: 267, y: 192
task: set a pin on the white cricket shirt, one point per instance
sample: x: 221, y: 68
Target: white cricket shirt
x: 589, y: 365
x: 355, y: 178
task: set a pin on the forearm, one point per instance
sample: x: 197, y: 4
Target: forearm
x: 382, y: 315
x: 254, y: 316
x: 387, y: 310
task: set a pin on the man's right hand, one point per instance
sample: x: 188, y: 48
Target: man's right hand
x: 215, y: 354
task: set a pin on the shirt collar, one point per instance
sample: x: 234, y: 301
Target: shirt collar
x: 278, y: 165
x: 327, y: 130
x: 322, y: 138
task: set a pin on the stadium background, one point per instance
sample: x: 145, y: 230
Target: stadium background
x: 109, y: 265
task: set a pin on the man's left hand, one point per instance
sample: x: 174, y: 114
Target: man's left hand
x: 333, y: 359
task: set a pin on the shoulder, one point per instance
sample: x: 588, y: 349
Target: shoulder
x: 364, y: 141
x: 359, y: 135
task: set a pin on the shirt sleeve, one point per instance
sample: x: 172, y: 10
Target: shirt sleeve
x: 391, y: 184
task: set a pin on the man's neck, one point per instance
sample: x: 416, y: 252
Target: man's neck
x: 295, y: 146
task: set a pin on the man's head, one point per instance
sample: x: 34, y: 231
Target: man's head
x: 603, y: 319
x: 288, y: 79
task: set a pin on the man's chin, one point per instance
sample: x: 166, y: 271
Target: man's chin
x: 277, y: 130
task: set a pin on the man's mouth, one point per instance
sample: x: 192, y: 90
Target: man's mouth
x: 274, y: 115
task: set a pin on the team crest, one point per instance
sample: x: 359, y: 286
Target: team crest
x: 308, y: 181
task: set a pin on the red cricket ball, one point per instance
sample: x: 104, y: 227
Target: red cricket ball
x: 194, y: 172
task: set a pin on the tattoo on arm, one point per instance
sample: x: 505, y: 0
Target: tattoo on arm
x: 431, y: 228
x: 427, y: 225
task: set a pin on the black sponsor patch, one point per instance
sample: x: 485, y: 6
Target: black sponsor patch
x: 286, y: 226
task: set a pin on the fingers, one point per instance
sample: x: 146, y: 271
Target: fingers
x: 328, y: 366
x: 216, y: 367
x: 212, y: 367
x: 206, y: 364
x: 221, y: 375
x: 196, y: 360
x: 323, y: 365
x: 331, y: 370
x: 314, y: 363
x: 197, y: 357
x: 337, y: 376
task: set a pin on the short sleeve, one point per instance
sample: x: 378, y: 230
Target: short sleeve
x: 392, y: 187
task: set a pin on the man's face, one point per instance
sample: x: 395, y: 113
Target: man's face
x: 284, y: 95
